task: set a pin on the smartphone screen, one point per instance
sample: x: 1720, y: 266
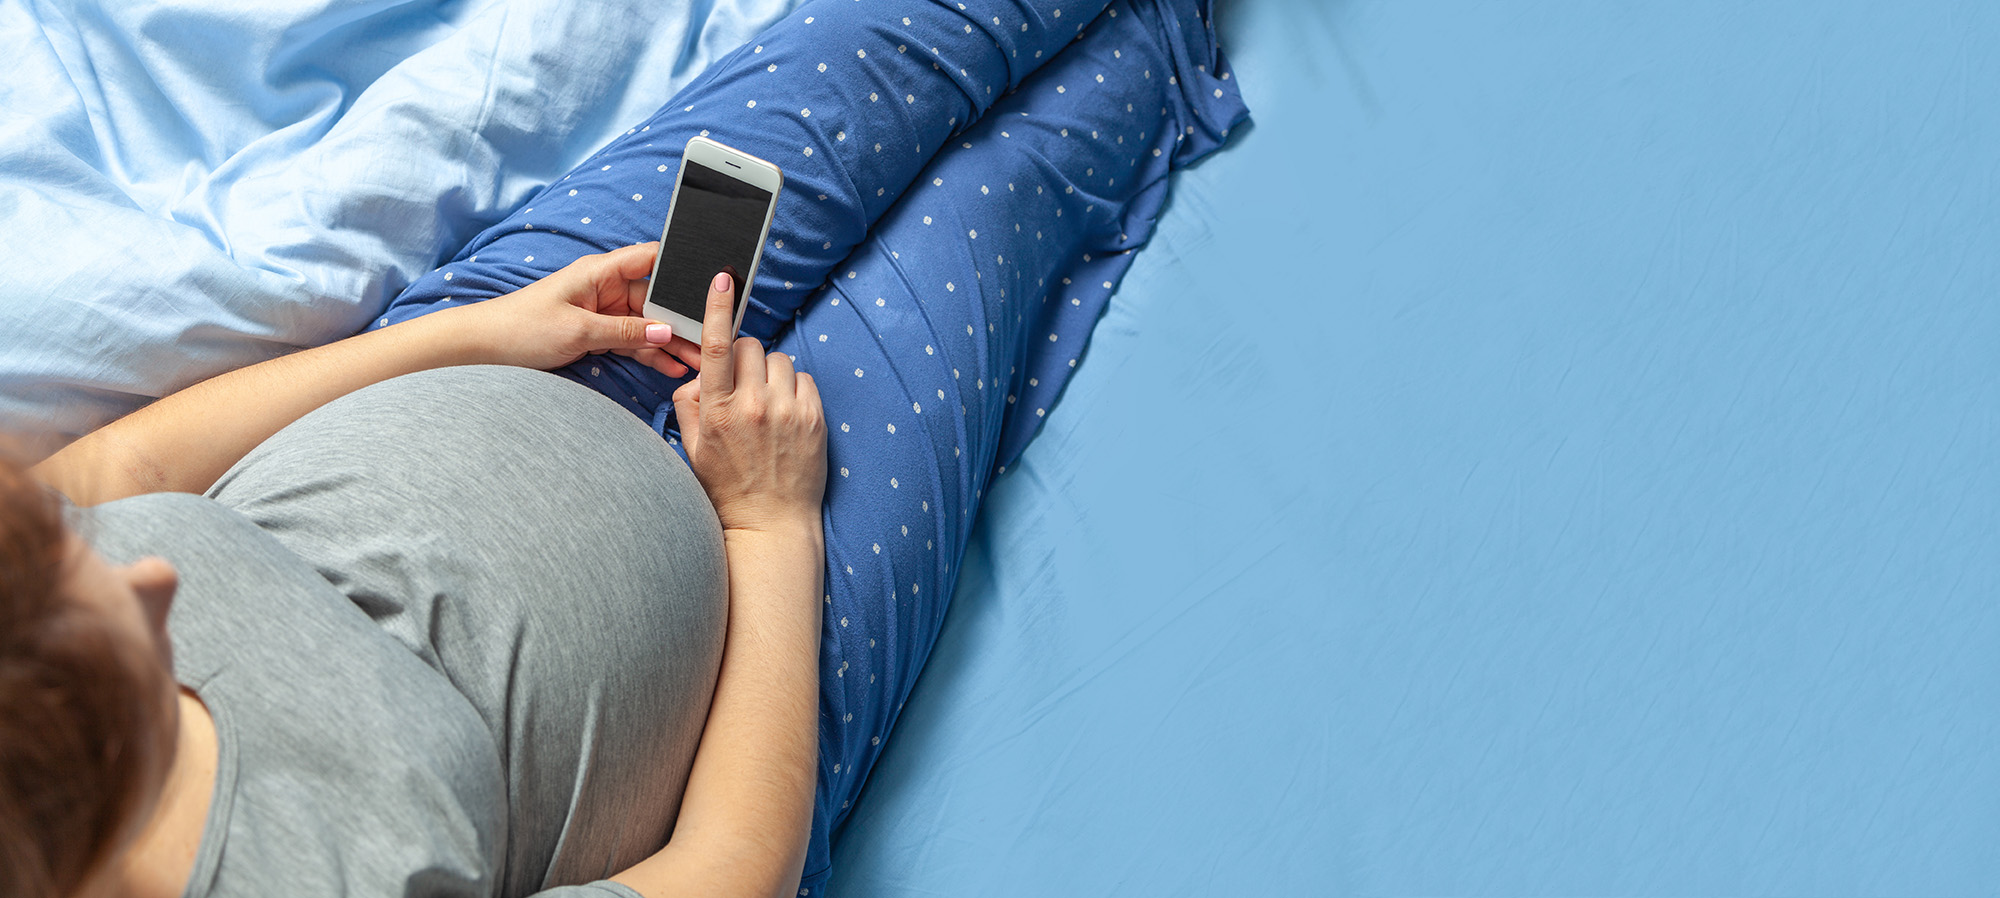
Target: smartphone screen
x: 716, y: 223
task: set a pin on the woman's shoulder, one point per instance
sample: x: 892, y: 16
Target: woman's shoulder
x: 346, y: 764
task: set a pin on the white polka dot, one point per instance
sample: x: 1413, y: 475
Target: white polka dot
x: 1062, y: 90
x: 771, y: 68
x: 950, y: 287
x: 857, y: 372
x: 586, y: 219
x: 1040, y: 412
x: 805, y: 113
x: 1076, y: 302
x: 982, y: 190
x: 917, y: 407
x: 822, y: 67
x: 863, y: 54
x: 850, y: 275
x: 606, y: 168
x: 1100, y: 79
x: 973, y: 234
x: 447, y: 275
x: 809, y: 151
x: 929, y: 351
x: 663, y: 168
x: 927, y: 219
x: 909, y: 98
x: 843, y: 427
x: 572, y: 193
x: 879, y: 301
x: 594, y: 371
x: 878, y: 548
x: 840, y: 135
x: 529, y: 259
x: 1052, y: 338
x: 892, y: 428
x: 809, y: 20
x: 893, y: 484
x: 752, y: 104
x: 843, y: 473
x: 872, y: 97
x: 1218, y: 92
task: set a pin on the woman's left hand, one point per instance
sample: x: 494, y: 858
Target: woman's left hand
x: 593, y: 305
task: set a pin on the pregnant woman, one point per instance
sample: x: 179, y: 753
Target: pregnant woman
x: 478, y: 630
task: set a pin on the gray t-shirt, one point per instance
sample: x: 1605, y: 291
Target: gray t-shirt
x: 445, y: 706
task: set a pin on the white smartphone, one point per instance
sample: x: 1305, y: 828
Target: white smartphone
x: 718, y: 220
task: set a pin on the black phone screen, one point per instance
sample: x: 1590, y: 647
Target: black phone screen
x: 716, y: 223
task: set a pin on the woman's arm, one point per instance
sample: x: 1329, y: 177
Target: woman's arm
x: 756, y: 438
x: 185, y: 441
x: 747, y: 810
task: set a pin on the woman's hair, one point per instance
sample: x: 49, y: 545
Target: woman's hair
x: 72, y: 713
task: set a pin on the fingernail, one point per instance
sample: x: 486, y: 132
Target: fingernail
x: 721, y: 282
x: 659, y: 333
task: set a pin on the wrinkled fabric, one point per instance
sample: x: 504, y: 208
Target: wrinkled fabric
x: 187, y: 188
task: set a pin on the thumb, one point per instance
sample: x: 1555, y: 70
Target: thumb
x: 626, y: 332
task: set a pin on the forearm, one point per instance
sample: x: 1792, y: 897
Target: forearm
x: 747, y: 811
x: 184, y: 442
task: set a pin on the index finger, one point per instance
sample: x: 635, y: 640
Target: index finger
x: 718, y: 326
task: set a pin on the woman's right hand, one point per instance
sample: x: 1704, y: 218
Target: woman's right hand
x: 753, y: 428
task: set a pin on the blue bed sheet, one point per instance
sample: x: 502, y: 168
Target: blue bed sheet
x: 1552, y: 452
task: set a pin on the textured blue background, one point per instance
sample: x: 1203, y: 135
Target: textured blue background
x: 1553, y: 451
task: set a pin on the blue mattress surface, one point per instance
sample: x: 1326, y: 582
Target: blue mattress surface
x: 1552, y: 451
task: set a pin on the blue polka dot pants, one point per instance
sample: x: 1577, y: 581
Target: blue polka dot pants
x: 963, y: 186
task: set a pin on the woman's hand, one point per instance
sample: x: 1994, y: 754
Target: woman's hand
x: 754, y: 430
x: 595, y: 304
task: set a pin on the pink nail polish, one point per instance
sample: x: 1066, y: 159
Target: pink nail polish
x: 721, y: 284
x: 659, y: 333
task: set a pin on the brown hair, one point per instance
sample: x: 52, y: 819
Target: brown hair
x: 71, y: 712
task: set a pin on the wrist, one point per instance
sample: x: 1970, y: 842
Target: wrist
x: 459, y: 336
x: 793, y: 528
